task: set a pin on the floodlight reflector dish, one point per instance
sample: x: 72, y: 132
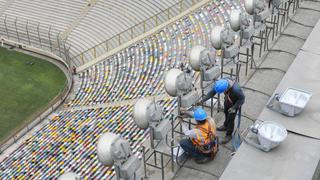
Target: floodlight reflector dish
x: 140, y: 113
x: 195, y: 57
x: 170, y: 82
x: 215, y: 37
x: 249, y: 5
x: 270, y: 134
x: 104, y: 148
x: 235, y: 20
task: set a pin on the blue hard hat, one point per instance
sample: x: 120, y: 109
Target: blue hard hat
x: 221, y: 86
x: 199, y: 114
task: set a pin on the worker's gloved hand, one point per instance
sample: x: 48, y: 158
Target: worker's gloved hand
x: 232, y: 110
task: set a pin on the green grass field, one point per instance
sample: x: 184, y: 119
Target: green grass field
x: 27, y: 85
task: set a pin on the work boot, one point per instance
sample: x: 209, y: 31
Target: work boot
x: 203, y: 160
x: 222, y: 128
x: 226, y: 139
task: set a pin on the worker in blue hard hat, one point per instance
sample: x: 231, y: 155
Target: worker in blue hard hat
x: 202, y: 143
x: 233, y: 100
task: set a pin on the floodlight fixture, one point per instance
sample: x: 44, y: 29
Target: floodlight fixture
x: 148, y: 113
x: 201, y: 59
x: 259, y: 10
x: 115, y: 150
x: 268, y: 133
x: 240, y: 21
x: 179, y: 83
x: 292, y: 101
x: 222, y: 38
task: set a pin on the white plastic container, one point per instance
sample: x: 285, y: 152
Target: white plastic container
x: 179, y: 154
x: 270, y: 134
x: 293, y: 101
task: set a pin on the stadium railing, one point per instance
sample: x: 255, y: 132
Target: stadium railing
x: 132, y: 32
x: 35, y: 34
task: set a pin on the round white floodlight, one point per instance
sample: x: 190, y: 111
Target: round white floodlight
x: 270, y: 134
x: 170, y: 82
x: 104, y: 148
x: 140, y: 113
x: 195, y: 57
x: 215, y: 37
x: 249, y: 6
x: 235, y: 20
x: 69, y: 176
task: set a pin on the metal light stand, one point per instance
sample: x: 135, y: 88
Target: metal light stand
x: 176, y: 129
x: 249, y: 56
x: 150, y: 158
x: 224, y: 46
x: 117, y: 167
x: 148, y: 114
x: 262, y: 40
x: 260, y: 14
x: 283, y: 11
x: 295, y: 3
x: 282, y: 15
x: 178, y: 86
x: 231, y: 74
x: 203, y: 94
x: 272, y: 24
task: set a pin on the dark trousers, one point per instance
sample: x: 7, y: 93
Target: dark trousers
x: 229, y: 121
x: 191, y: 149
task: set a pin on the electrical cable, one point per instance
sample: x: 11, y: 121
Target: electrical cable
x: 313, y: 1
x: 310, y: 9
x: 279, y: 50
x: 302, y: 24
x: 293, y: 132
x: 206, y: 172
x: 294, y: 36
x: 246, y: 116
x: 258, y: 91
x: 271, y: 68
